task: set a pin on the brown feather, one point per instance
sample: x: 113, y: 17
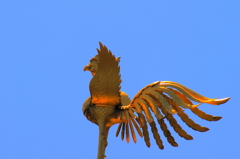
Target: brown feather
x: 137, y: 127
x: 204, y: 115
x: 118, y: 129
x: 134, y: 109
x: 132, y: 131
x: 105, y: 85
x: 122, y: 115
x: 182, y: 96
x: 167, y: 133
x: 117, y: 114
x: 126, y: 114
x: 173, y: 122
x: 127, y: 133
x: 123, y: 130
x: 185, y: 117
x: 191, y: 123
x: 140, y: 120
x: 145, y: 131
x: 156, y: 135
x: 178, y: 128
x: 131, y: 113
x: 195, y: 110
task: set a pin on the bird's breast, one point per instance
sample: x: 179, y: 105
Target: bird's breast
x: 98, y: 113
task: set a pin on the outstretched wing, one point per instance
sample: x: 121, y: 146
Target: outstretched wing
x: 163, y: 99
x: 105, y: 85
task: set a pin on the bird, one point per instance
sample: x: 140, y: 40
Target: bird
x: 159, y: 101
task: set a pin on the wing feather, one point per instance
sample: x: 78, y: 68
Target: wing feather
x: 126, y: 114
x: 185, y: 117
x: 132, y: 132
x: 105, y: 85
x: 178, y: 129
x: 153, y: 106
x: 145, y: 130
x: 118, y: 129
x: 132, y: 113
x: 122, y: 115
x: 204, y: 115
x: 127, y: 132
x: 156, y: 135
x: 195, y: 110
x: 123, y: 130
x: 145, y: 108
x: 167, y: 133
x: 137, y: 128
x: 158, y: 95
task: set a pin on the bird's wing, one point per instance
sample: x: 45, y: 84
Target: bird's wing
x: 163, y: 99
x: 105, y: 85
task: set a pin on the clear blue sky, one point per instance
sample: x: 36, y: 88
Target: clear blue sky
x: 45, y: 44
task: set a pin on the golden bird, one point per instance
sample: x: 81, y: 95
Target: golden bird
x: 108, y: 105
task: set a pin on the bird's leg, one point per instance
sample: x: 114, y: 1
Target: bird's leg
x: 105, y: 142
x: 101, y: 140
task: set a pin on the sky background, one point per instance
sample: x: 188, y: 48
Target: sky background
x: 45, y: 44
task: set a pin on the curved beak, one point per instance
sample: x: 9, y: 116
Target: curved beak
x: 86, y: 68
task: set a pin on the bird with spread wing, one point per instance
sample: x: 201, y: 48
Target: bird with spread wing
x: 108, y: 105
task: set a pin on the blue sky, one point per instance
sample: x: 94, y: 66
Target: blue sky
x: 44, y: 46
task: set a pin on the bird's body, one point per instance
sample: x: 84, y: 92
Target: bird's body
x: 96, y: 113
x: 108, y: 105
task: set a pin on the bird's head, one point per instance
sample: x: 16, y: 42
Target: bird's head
x: 93, y: 65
